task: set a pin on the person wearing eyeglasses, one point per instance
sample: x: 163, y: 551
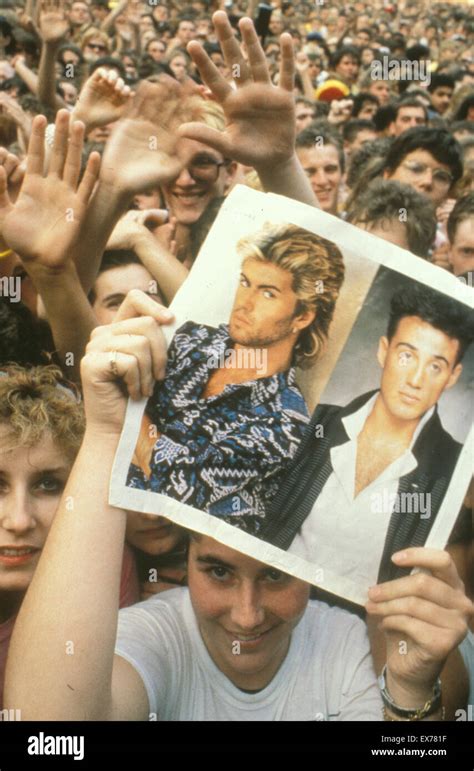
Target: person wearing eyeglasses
x: 94, y: 45
x: 427, y: 159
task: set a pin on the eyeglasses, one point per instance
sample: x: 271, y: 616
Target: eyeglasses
x: 205, y: 169
x: 440, y: 177
x: 96, y: 46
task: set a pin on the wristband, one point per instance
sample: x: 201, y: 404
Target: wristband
x: 6, y: 253
x: 429, y: 707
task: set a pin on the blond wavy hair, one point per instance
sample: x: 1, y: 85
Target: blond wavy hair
x: 317, y: 267
x: 36, y: 401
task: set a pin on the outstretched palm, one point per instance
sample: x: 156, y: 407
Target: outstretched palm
x: 260, y: 117
x: 144, y: 150
x: 53, y: 23
x: 103, y: 99
x: 44, y: 223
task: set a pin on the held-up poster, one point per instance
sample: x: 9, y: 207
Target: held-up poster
x: 317, y: 405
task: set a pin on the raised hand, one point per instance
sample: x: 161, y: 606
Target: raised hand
x: 134, y: 225
x: 53, y: 23
x: 260, y: 117
x: 132, y: 349
x: 144, y: 150
x: 424, y: 617
x: 44, y: 223
x: 103, y: 99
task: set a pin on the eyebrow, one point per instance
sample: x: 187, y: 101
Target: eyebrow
x: 261, y: 286
x: 117, y: 296
x: 413, y: 348
x: 209, y: 559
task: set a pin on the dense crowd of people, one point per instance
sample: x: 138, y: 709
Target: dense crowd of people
x: 123, y: 127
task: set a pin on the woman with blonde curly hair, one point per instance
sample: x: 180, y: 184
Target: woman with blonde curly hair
x: 41, y: 429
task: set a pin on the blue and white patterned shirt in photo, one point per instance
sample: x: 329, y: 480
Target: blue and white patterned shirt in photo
x: 224, y: 454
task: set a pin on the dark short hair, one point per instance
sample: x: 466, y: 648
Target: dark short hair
x: 463, y: 210
x: 382, y: 201
x: 360, y: 100
x: 114, y: 258
x: 384, y: 116
x: 353, y: 126
x: 453, y: 318
x: 410, y: 101
x: 317, y: 130
x: 339, y: 53
x: 437, y: 141
x: 108, y: 61
x: 462, y: 125
x: 441, y: 80
x: 464, y: 107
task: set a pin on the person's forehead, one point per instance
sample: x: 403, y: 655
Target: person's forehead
x: 424, y: 156
x: 420, y: 333
x: 412, y: 110
x: 465, y: 231
x: 121, y: 280
x: 266, y: 273
x: 205, y: 546
x: 195, y: 149
x: 46, y: 454
x: 319, y: 156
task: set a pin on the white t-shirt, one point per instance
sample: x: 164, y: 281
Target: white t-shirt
x: 327, y: 673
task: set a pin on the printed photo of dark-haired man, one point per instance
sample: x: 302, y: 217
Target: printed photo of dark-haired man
x: 369, y: 478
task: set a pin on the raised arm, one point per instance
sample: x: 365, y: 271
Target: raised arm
x: 144, y: 151
x: 424, y: 617
x: 53, y: 25
x: 79, y: 570
x: 261, y: 124
x: 43, y: 225
x: 155, y: 252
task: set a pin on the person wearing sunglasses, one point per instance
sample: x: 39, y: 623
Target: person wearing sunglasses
x: 94, y: 45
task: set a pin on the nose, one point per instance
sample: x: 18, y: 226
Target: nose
x: 415, y: 375
x: 185, y: 178
x: 319, y: 179
x: 17, y: 513
x: 247, y: 612
x: 426, y: 180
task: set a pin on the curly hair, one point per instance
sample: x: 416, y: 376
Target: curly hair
x: 317, y: 267
x: 36, y: 401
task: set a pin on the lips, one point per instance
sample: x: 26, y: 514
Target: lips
x: 17, y: 555
x: 409, y: 397
x: 249, y: 640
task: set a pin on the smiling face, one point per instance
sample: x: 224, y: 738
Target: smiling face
x: 263, y: 314
x: 246, y: 611
x: 419, y: 363
x: 322, y: 166
x: 187, y: 198
x: 31, y: 483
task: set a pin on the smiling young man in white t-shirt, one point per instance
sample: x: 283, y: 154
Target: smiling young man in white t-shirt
x: 244, y: 643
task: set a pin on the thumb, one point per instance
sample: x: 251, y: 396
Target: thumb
x: 208, y: 136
